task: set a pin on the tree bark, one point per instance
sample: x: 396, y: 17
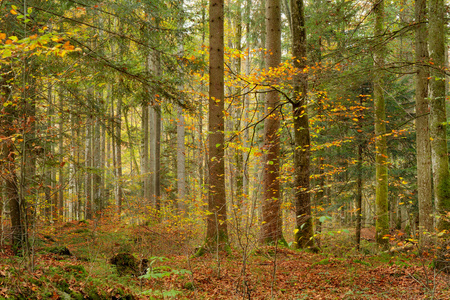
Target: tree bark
x: 423, y: 147
x: 302, y: 141
x: 271, y: 209
x: 438, y: 114
x: 181, y: 161
x: 217, y: 229
x: 381, y: 201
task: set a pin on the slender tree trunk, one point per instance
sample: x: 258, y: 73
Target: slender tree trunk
x: 359, y: 179
x: 61, y: 155
x: 217, y: 229
x: 382, y: 211
x: 438, y: 114
x: 181, y: 161
x: 145, y: 152
x: 157, y: 177
x: 96, y: 160
x: 423, y: 147
x: 48, y: 190
x: 245, y: 123
x: 118, y: 141
x: 88, y: 170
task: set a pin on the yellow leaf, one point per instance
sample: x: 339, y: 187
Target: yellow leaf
x: 13, y: 11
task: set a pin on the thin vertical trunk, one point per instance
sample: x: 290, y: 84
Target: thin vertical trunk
x: 61, y: 155
x: 245, y: 144
x: 96, y: 161
x: 118, y: 146
x: 157, y: 176
x: 102, y: 171
x: 381, y: 201
x: 48, y: 190
x: 359, y: 180
x: 145, y: 152
x: 438, y: 114
x: 87, y: 170
x: 181, y: 161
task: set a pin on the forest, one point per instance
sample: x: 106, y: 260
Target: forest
x: 238, y: 149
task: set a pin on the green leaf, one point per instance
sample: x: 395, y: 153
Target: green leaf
x: 218, y: 145
x: 6, y: 53
x: 270, y: 162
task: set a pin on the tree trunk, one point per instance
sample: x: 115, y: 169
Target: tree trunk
x: 61, y: 155
x: 438, y: 114
x: 88, y: 169
x: 145, y: 151
x: 118, y: 146
x: 304, y: 230
x: 181, y: 161
x: 8, y: 162
x: 423, y: 147
x: 96, y: 176
x: 217, y: 229
x: 382, y: 211
x: 359, y: 179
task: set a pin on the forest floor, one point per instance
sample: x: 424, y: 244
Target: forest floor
x: 73, y: 261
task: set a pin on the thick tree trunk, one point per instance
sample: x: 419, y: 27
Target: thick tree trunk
x: 438, y: 114
x: 423, y: 147
x: 382, y: 211
x: 217, y: 229
x: 304, y: 230
x: 271, y: 209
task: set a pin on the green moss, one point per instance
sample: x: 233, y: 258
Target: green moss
x: 444, y: 204
x: 362, y: 262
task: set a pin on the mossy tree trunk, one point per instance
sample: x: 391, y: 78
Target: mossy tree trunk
x: 381, y: 161
x: 423, y: 147
x: 302, y: 140
x: 438, y: 115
